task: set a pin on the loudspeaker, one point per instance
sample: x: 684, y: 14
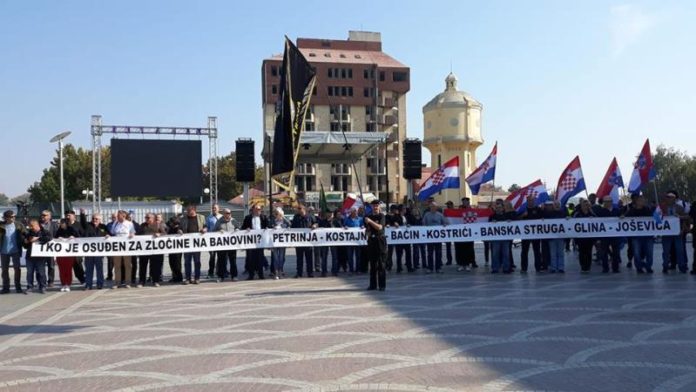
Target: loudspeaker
x: 412, y: 159
x: 245, y: 165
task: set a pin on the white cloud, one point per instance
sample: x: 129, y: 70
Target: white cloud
x: 628, y: 23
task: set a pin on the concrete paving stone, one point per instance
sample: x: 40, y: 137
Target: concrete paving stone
x: 95, y: 383
x: 531, y: 350
x: 492, y: 328
x: 315, y: 370
x: 193, y: 364
x: 606, y: 330
x: 409, y: 346
x: 313, y: 343
x: 83, y: 361
x: 14, y: 374
x: 675, y: 353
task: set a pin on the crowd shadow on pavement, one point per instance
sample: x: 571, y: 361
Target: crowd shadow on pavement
x: 38, y: 329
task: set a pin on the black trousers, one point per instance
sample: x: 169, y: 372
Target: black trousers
x: 109, y: 268
x: 448, y: 249
x: 376, y: 255
x: 400, y: 251
x: 175, y: 266
x: 609, y: 247
x: 79, y: 270
x: 134, y: 268
x: 223, y: 257
x: 212, y: 264
x: 464, y: 253
x: 536, y: 247
x: 585, y: 252
x: 545, y: 254
x: 390, y: 253
x: 306, y: 253
x: 255, y: 262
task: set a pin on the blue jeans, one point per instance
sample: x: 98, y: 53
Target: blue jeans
x: 643, y: 249
x: 557, y: 254
x: 90, y: 263
x: 278, y: 259
x: 500, y: 255
x: 678, y: 243
x: 6, y: 261
x: 36, y: 265
x: 196, y: 258
x: 353, y: 258
x: 434, y: 256
x: 323, y: 253
x: 419, y: 254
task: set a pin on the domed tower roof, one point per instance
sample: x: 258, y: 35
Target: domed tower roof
x: 451, y: 97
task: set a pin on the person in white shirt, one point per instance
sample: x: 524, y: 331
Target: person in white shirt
x: 122, y: 228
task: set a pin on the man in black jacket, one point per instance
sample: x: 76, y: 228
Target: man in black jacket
x: 36, y: 234
x: 254, y: 257
x: 93, y: 229
x: 532, y: 212
x: 303, y: 220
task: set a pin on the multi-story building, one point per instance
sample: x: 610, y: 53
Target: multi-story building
x: 356, y: 124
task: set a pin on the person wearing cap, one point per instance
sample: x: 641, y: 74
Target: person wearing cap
x: 254, y: 257
x: 353, y: 252
x: 303, y: 220
x: 11, y: 240
x: 193, y: 222
x: 226, y: 224
x: 210, y: 222
x: 375, y: 223
x: 673, y: 249
x: 608, y: 246
x: 434, y: 218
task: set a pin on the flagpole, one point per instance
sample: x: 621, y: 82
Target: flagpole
x: 492, y: 193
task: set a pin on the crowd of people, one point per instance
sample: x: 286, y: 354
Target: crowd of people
x: 376, y: 257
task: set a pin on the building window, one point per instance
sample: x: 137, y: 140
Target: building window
x: 344, y: 91
x: 350, y: 73
x: 381, y: 76
x: 400, y: 76
x: 331, y: 91
x: 330, y: 73
x: 344, y: 73
x: 312, y: 55
x: 274, y: 89
x: 274, y: 70
x: 369, y: 73
x: 371, y: 127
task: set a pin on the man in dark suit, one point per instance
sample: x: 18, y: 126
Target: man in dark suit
x: 303, y: 220
x: 254, y: 257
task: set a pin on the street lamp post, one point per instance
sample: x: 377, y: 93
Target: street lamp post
x: 59, y: 138
x: 87, y: 193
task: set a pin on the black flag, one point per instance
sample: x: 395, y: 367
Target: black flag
x: 297, y: 79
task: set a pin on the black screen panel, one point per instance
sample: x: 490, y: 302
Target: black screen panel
x: 156, y: 168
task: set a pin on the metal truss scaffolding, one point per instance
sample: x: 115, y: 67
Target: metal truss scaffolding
x: 98, y: 129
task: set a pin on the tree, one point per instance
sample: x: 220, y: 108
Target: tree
x: 676, y: 170
x: 4, y: 200
x: 77, y: 174
x: 513, y: 188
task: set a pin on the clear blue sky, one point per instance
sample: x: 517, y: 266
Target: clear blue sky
x: 556, y: 79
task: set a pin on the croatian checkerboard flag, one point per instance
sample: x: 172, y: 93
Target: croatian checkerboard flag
x: 519, y: 197
x: 571, y: 181
x: 643, y: 169
x: 483, y: 173
x: 446, y: 176
x: 611, y: 183
x: 461, y: 216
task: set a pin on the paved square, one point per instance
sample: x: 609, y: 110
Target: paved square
x: 450, y: 332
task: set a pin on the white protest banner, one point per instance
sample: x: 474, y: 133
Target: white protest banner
x: 291, y: 238
x: 535, y: 229
x: 209, y: 242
